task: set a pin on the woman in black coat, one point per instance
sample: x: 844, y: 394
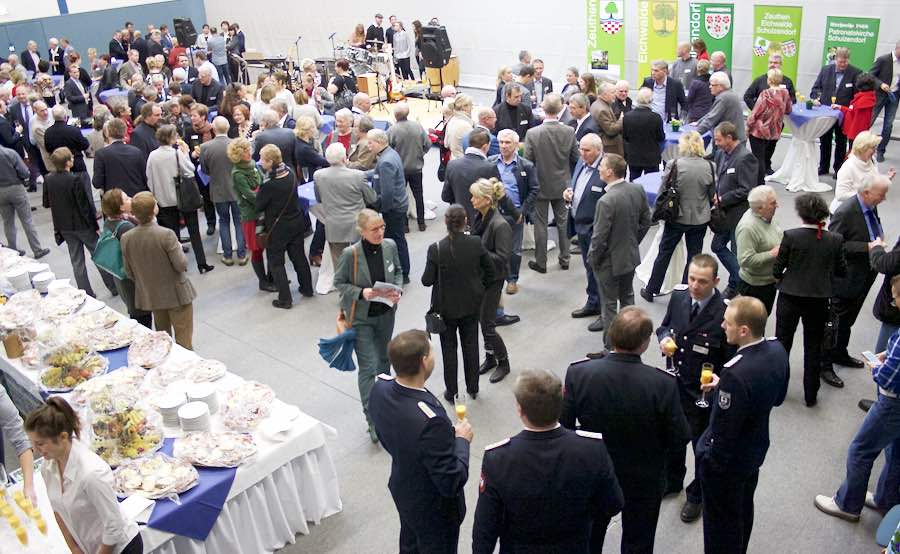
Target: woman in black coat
x: 809, y: 258
x: 699, y: 97
x: 496, y: 236
x: 460, y: 270
x: 284, y: 222
x: 642, y: 131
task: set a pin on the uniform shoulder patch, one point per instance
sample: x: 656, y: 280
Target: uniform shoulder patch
x: 426, y: 409
x: 496, y: 444
x: 668, y: 372
x: 580, y: 361
x: 386, y: 377
x: 680, y: 286
x: 733, y: 361
x: 589, y: 434
x: 724, y: 400
x: 771, y: 338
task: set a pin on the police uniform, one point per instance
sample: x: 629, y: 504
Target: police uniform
x: 700, y: 339
x: 637, y: 409
x: 542, y: 491
x: 733, y: 447
x: 429, y: 468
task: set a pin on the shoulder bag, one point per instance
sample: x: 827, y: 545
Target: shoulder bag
x: 187, y: 195
x: 343, y: 323
x: 434, y: 322
x: 107, y: 254
x: 262, y: 235
x: 668, y: 204
x: 718, y: 216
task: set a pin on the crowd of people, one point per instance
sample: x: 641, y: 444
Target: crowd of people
x: 189, y: 135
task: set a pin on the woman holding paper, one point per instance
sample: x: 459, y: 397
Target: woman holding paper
x: 369, y: 277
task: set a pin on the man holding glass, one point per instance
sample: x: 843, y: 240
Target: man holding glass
x: 733, y: 447
x: 691, y: 336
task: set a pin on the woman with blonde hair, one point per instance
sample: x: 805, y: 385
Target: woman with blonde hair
x: 246, y: 178
x: 504, y: 76
x: 496, y: 236
x: 694, y: 179
x: 305, y: 154
x: 459, y: 125
x: 857, y: 168
x: 358, y: 37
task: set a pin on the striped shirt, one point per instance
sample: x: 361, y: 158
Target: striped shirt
x: 887, y: 375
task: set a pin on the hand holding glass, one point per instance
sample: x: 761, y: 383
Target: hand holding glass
x: 706, y: 377
x: 459, y: 403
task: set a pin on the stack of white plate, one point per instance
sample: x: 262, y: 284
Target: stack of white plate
x: 168, y: 407
x: 206, y: 393
x: 194, y: 416
x: 19, y: 278
x: 36, y: 267
x: 42, y: 280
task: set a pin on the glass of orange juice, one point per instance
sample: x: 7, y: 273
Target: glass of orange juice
x: 706, y: 377
x: 459, y: 404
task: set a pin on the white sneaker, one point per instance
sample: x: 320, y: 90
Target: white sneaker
x: 829, y: 506
x: 870, y: 502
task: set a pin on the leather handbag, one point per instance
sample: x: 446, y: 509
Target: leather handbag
x: 434, y: 322
x: 187, y: 195
x: 718, y: 216
x: 263, y: 234
x: 668, y: 204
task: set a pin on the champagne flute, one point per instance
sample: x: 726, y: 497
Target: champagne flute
x: 706, y: 377
x: 459, y: 404
x: 834, y: 99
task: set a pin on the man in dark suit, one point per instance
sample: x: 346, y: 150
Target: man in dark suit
x: 10, y: 136
x: 429, y: 454
x: 117, y: 49
x: 541, y: 85
x: 271, y: 133
x: 513, y: 113
x: 154, y: 45
x: 636, y: 407
x: 857, y: 221
x: 109, y: 76
x: 375, y: 34
x: 761, y: 83
x: 205, y: 89
x: 888, y: 94
x: 668, y: 93
x: 621, y: 220
x: 192, y: 74
x: 21, y: 113
x: 691, y: 335
x: 835, y: 80
x: 642, y: 133
x: 582, y: 121
x: 734, y: 445
x: 144, y: 134
x: 462, y: 172
x: 56, y: 53
x: 543, y: 489
x: 585, y: 189
x: 120, y: 165
x: 140, y: 44
x: 31, y: 58
x: 736, y: 175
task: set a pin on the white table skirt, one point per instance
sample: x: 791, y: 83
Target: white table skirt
x: 799, y: 171
x: 674, y: 272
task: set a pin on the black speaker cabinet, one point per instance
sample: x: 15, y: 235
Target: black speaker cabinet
x: 435, y: 47
x: 185, y: 32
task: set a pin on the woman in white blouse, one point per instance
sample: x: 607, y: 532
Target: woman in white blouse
x: 80, y: 485
x: 857, y: 168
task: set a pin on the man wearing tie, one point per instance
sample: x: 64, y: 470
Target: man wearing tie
x: 582, y: 195
x: 858, y: 222
x: 838, y: 81
x: 30, y: 57
x: 21, y: 113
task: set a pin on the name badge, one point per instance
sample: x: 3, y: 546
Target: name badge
x: 688, y: 70
x: 848, y: 85
x: 700, y: 349
x: 729, y: 171
x: 390, y: 267
x: 523, y: 122
x: 782, y: 86
x: 595, y: 188
x: 376, y: 176
x: 523, y: 174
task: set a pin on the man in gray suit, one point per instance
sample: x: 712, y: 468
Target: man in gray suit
x: 411, y: 142
x: 621, y: 220
x: 343, y: 193
x: 272, y: 133
x: 389, y: 182
x: 214, y: 162
x: 553, y: 149
x: 726, y: 107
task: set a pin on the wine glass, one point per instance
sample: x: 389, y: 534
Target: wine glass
x: 706, y: 377
x: 459, y: 404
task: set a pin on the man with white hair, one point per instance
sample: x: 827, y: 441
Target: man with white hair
x: 608, y: 122
x: 60, y: 134
x: 284, y: 118
x: 31, y: 57
x: 448, y: 92
x: 582, y: 121
x: 272, y: 133
x: 411, y: 142
x: 361, y: 103
x: 668, y: 93
x: 726, y: 107
x: 390, y: 184
x: 684, y: 68
x: 214, y: 161
x: 717, y: 62
x: 485, y: 119
x: 205, y: 89
x: 758, y: 239
x: 56, y: 55
x: 343, y: 193
x: 761, y: 83
x: 622, y: 104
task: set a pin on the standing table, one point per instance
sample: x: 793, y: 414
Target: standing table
x: 799, y: 171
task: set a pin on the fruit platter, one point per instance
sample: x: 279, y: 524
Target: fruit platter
x: 125, y: 435
x: 156, y: 476
x: 70, y: 365
x: 114, y: 391
x: 212, y: 449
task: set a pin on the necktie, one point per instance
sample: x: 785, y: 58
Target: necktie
x: 694, y: 310
x: 874, y: 226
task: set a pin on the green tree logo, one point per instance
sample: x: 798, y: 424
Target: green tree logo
x: 611, y: 9
x: 663, y: 12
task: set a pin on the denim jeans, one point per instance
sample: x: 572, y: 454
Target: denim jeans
x: 728, y: 256
x: 880, y: 430
x: 883, y: 335
x: 515, y: 260
x: 228, y: 212
x: 890, y: 111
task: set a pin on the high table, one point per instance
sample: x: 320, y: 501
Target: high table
x: 110, y: 93
x: 670, y: 144
x: 674, y: 273
x: 799, y: 171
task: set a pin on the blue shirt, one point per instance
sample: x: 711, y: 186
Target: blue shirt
x: 874, y: 232
x: 508, y: 176
x: 659, y: 100
x: 887, y: 374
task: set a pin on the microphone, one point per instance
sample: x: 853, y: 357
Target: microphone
x: 331, y: 36
x: 299, y: 37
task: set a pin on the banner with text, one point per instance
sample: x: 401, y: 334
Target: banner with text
x: 606, y: 36
x: 657, y: 33
x: 776, y: 29
x: 859, y: 34
x: 714, y: 24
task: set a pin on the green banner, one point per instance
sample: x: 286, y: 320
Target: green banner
x: 776, y: 29
x: 859, y: 34
x: 714, y: 23
x: 606, y: 36
x: 657, y: 32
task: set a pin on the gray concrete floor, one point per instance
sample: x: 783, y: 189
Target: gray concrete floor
x: 234, y: 322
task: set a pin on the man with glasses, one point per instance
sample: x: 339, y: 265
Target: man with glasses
x: 761, y: 83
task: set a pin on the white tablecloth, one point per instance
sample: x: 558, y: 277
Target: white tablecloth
x: 799, y: 171
x: 674, y: 272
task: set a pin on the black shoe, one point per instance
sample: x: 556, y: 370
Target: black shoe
x: 114, y: 293
x: 406, y: 229
x: 811, y: 402
x: 33, y: 209
x: 205, y: 268
x: 830, y: 377
x: 564, y: 266
x: 422, y: 226
x: 864, y: 404
x: 266, y: 286
x: 879, y: 157
x: 406, y: 279
x: 282, y: 305
x: 534, y: 265
x: 448, y: 396
x: 770, y: 171
x: 21, y: 252
x: 507, y: 319
x: 40, y: 253
x: 596, y: 325
x: 647, y: 295
x: 500, y: 372
x: 489, y: 363
x: 585, y: 311
x: 691, y: 512
x: 848, y: 361
x: 210, y: 230
x: 472, y: 395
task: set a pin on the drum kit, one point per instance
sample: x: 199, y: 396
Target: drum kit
x: 364, y: 61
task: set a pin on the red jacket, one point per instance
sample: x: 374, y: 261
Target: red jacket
x: 858, y: 115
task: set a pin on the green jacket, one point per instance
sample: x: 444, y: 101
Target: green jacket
x: 350, y: 289
x: 246, y: 179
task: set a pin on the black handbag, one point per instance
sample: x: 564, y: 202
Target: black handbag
x: 668, y: 204
x: 434, y: 322
x: 718, y: 216
x: 830, y: 336
x: 187, y: 195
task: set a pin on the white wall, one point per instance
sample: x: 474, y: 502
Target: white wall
x: 487, y: 35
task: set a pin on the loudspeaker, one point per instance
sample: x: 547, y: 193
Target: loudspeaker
x: 435, y: 47
x: 185, y: 32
